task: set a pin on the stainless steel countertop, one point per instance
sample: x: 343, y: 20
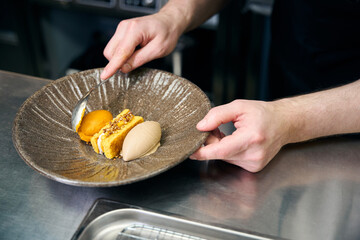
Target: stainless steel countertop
x: 309, y: 191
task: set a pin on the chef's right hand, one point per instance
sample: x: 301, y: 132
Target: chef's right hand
x: 140, y: 40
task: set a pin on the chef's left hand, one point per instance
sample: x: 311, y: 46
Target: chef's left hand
x: 261, y: 131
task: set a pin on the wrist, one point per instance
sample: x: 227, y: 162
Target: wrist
x: 290, y: 120
x: 175, y: 16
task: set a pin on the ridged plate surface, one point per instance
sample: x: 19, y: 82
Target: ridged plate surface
x: 43, y: 136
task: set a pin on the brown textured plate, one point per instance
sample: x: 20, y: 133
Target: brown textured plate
x: 43, y: 136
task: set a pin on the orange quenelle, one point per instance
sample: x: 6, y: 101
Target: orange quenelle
x: 92, y: 122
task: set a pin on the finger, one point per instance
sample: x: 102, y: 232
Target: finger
x: 118, y: 36
x: 122, y: 53
x: 125, y: 47
x: 153, y: 50
x: 226, y: 148
x: 217, y: 116
x: 214, y: 137
x: 115, y: 64
x: 109, y: 50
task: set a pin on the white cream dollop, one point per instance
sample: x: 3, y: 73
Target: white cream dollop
x: 99, y: 144
x: 142, y: 140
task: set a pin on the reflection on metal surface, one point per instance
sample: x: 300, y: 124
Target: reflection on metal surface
x: 305, y: 192
x: 147, y: 232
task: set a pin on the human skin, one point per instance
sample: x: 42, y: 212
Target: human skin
x: 263, y: 128
x: 140, y: 40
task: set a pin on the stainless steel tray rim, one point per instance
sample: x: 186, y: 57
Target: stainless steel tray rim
x: 116, y: 226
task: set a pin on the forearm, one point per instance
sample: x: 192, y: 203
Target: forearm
x: 325, y: 113
x: 189, y: 14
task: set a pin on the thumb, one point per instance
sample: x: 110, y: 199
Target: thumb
x: 217, y: 116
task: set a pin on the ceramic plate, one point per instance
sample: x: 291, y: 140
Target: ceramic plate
x: 43, y: 136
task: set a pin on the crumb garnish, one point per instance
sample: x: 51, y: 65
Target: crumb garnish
x: 114, y: 125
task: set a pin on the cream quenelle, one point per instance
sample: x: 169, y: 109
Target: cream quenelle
x: 142, y: 140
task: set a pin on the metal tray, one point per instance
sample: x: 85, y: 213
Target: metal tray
x: 133, y: 223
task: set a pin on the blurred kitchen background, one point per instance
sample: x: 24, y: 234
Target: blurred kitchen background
x: 227, y: 56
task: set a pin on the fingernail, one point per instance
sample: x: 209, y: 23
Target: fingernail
x: 201, y: 124
x: 126, y: 68
x: 104, y: 72
x: 192, y: 157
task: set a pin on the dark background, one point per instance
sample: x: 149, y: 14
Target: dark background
x: 227, y: 58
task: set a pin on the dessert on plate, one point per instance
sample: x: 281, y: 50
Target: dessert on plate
x: 109, y: 139
x: 126, y: 135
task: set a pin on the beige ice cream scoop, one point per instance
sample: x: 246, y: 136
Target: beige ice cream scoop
x: 142, y: 140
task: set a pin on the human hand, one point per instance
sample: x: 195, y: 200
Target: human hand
x: 261, y: 131
x: 140, y: 40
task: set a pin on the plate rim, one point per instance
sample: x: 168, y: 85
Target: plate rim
x: 60, y: 178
